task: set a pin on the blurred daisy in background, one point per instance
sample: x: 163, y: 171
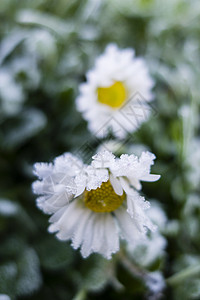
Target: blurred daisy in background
x: 119, y: 82
x: 94, y: 205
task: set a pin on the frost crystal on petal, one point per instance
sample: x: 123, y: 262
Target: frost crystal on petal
x: 134, y: 168
x: 56, y: 185
x: 103, y: 159
x: 42, y: 169
x: 69, y: 164
x: 96, y: 177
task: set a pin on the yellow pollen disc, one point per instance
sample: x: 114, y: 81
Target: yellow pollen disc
x: 113, y: 96
x: 103, y: 199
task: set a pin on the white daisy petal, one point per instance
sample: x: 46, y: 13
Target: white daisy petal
x: 135, y: 169
x: 80, y: 230
x: 99, y: 234
x: 103, y: 159
x: 80, y: 190
x: 37, y: 187
x: 112, y: 238
x: 69, y: 221
x: 126, y: 186
x: 109, y: 242
x: 136, y: 204
x: 116, y: 184
x: 147, y: 251
x: 68, y: 163
x: 136, y: 209
x: 42, y: 170
x: 127, y: 226
x: 81, y: 183
x: 40, y: 203
x: 56, y: 216
x: 135, y: 182
x: 150, y: 177
x: 61, y: 199
x: 53, y: 203
x: 95, y: 177
x: 86, y: 248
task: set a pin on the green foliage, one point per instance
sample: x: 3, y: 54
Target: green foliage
x: 59, y: 256
x: 46, y: 48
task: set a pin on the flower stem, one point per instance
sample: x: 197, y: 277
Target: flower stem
x: 132, y: 268
x: 184, y: 274
x: 81, y: 295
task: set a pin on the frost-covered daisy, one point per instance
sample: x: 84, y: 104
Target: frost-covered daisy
x: 94, y: 205
x: 116, y: 93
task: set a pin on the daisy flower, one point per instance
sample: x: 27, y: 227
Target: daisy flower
x: 94, y: 205
x: 116, y: 93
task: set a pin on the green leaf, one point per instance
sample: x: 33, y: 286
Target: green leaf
x: 93, y: 274
x: 31, y: 122
x: 53, y: 23
x: 29, y: 277
x: 8, y: 208
x: 10, y: 43
x: 54, y: 254
x: 8, y: 274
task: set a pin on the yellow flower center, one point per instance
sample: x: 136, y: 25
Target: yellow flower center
x: 113, y: 96
x: 103, y: 199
